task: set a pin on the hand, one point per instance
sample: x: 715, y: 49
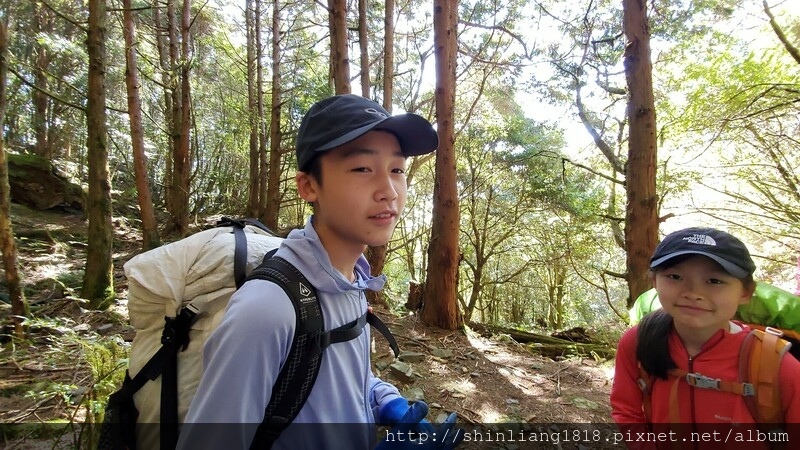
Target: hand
x: 412, y: 431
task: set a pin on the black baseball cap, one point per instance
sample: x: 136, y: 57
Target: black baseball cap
x: 722, y: 247
x: 340, y: 119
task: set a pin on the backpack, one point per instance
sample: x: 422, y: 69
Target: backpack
x: 759, y: 360
x: 177, y: 297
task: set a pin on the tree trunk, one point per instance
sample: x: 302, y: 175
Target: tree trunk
x: 149, y: 225
x: 162, y: 46
x: 440, y: 307
x: 179, y: 60
x: 340, y: 62
x: 38, y: 96
x: 184, y: 156
x: 363, y: 47
x: 98, y: 285
x: 274, y: 171
x: 388, y: 55
x: 252, y: 110
x: 19, y: 307
x: 641, y: 221
x: 262, y: 132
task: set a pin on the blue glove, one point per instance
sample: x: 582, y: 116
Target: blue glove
x: 413, y: 432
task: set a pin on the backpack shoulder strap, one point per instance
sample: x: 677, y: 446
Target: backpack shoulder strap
x: 300, y: 370
x: 759, y: 366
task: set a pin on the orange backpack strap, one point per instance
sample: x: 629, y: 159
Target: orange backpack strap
x: 645, y: 383
x: 759, y: 366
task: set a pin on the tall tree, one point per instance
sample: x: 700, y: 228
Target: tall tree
x: 273, y: 193
x: 363, y: 45
x: 340, y: 61
x: 252, y: 109
x: 180, y: 61
x: 149, y: 225
x: 440, y: 307
x: 98, y: 279
x: 388, y: 55
x: 262, y: 132
x: 19, y: 307
x: 641, y: 218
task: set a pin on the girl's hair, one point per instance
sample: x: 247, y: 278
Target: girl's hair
x: 652, y: 344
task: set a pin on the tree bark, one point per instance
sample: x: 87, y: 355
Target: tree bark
x: 149, y: 225
x: 19, y: 306
x: 162, y: 45
x: 340, y: 61
x: 440, y: 307
x: 363, y: 47
x: 98, y: 285
x: 262, y: 132
x: 388, y: 55
x: 641, y: 220
x: 41, y: 103
x: 274, y: 169
x: 252, y: 111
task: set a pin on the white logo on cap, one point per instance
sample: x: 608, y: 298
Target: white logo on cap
x: 700, y: 239
x: 376, y: 112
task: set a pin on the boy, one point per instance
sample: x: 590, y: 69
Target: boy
x: 351, y: 158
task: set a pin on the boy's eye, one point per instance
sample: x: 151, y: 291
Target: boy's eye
x: 399, y: 170
x: 715, y: 281
x: 673, y: 276
x: 361, y: 169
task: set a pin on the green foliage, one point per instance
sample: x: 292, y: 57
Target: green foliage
x: 99, y: 366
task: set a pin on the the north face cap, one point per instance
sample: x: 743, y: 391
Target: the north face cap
x: 722, y: 247
x: 340, y: 119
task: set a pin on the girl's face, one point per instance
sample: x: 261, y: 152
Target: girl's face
x: 700, y: 295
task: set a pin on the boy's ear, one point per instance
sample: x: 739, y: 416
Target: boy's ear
x: 307, y: 186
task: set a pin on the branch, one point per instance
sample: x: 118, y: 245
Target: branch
x: 598, y: 140
x: 793, y: 51
x: 589, y: 169
x: 505, y: 30
x: 78, y: 25
x: 49, y: 94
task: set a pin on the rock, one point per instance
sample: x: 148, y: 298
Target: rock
x: 401, y: 372
x: 442, y: 353
x: 411, y: 357
x: 414, y: 394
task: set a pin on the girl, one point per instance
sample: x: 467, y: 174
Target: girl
x: 701, y: 276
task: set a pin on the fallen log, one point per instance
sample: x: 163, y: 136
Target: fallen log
x: 549, y: 346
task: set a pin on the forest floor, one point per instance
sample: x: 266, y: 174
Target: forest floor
x: 71, y: 360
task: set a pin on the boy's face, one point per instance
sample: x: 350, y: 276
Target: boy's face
x: 362, y: 194
x: 699, y: 294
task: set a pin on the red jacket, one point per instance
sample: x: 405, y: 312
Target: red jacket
x: 708, y: 417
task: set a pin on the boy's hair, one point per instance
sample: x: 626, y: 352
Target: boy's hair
x: 652, y: 344
x: 314, y: 169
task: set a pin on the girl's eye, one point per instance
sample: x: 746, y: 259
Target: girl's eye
x: 399, y: 170
x: 361, y: 169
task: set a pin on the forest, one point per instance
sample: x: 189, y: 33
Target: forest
x: 573, y: 135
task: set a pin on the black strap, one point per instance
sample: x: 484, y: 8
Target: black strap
x: 240, y: 251
x: 376, y: 323
x: 174, y: 339
x: 300, y: 370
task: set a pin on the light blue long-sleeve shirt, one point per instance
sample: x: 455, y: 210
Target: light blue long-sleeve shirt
x: 243, y: 357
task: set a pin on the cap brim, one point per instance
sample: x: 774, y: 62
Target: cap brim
x: 414, y: 134
x: 729, y: 267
